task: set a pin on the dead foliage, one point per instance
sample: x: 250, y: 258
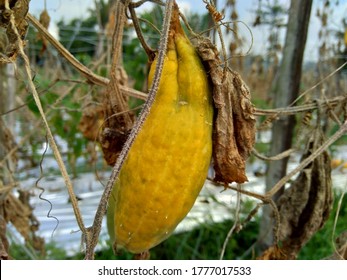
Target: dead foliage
x: 7, y: 143
x: 111, y: 21
x: 91, y: 121
x: 44, y: 20
x: 14, y: 208
x: 118, y: 118
x: 8, y: 38
x: 305, y: 206
x: 234, y: 123
x: 4, y: 245
x: 18, y: 212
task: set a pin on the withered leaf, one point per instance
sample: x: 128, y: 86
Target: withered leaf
x: 91, y: 121
x: 234, y: 122
x: 118, y: 118
x: 44, y: 20
x: 19, y: 8
x: 18, y: 214
x: 305, y: 206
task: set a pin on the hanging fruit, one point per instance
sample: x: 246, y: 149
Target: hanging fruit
x: 168, y: 163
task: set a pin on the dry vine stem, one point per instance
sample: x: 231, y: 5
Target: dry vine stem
x: 94, y: 231
x: 51, y: 140
x: 334, y: 230
x: 150, y: 53
x: 91, y: 77
x: 342, y: 130
x: 118, y: 119
x: 235, y: 225
x: 290, y: 107
x: 35, y: 126
x: 216, y: 18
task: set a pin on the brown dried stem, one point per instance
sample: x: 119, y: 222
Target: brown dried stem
x: 149, y: 51
x: 235, y: 225
x: 211, y: 7
x: 342, y: 130
x: 301, y: 108
x: 51, y: 140
x: 292, y: 110
x: 279, y: 156
x: 93, y: 78
x: 85, y: 71
x: 266, y: 200
x: 339, y: 205
x: 141, y: 2
x: 319, y: 83
x: 94, y: 231
x: 102, y: 81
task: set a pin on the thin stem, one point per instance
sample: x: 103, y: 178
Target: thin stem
x: 248, y: 193
x: 188, y: 25
x: 85, y: 71
x: 102, y: 81
x: 93, y: 78
x: 96, y: 227
x: 320, y: 82
x: 236, y: 222
x: 279, y: 156
x: 141, y: 2
x: 149, y: 51
x: 212, y: 8
x: 51, y: 140
x: 339, y: 205
x: 342, y: 130
x: 278, y: 110
x: 150, y: 24
x: 250, y: 31
x: 301, y: 108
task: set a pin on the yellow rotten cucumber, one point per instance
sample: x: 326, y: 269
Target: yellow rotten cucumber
x: 167, y: 165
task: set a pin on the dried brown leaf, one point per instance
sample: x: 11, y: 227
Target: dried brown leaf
x: 272, y: 253
x: 18, y: 214
x: 19, y: 9
x: 37, y: 242
x: 91, y: 121
x: 111, y: 21
x: 234, y: 123
x: 7, y: 143
x: 118, y: 118
x: 306, y: 204
x: 44, y: 20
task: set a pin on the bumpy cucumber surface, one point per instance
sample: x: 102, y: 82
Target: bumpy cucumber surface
x: 167, y: 165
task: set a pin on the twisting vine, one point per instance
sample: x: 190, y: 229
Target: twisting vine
x: 93, y: 232
x: 50, y: 137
